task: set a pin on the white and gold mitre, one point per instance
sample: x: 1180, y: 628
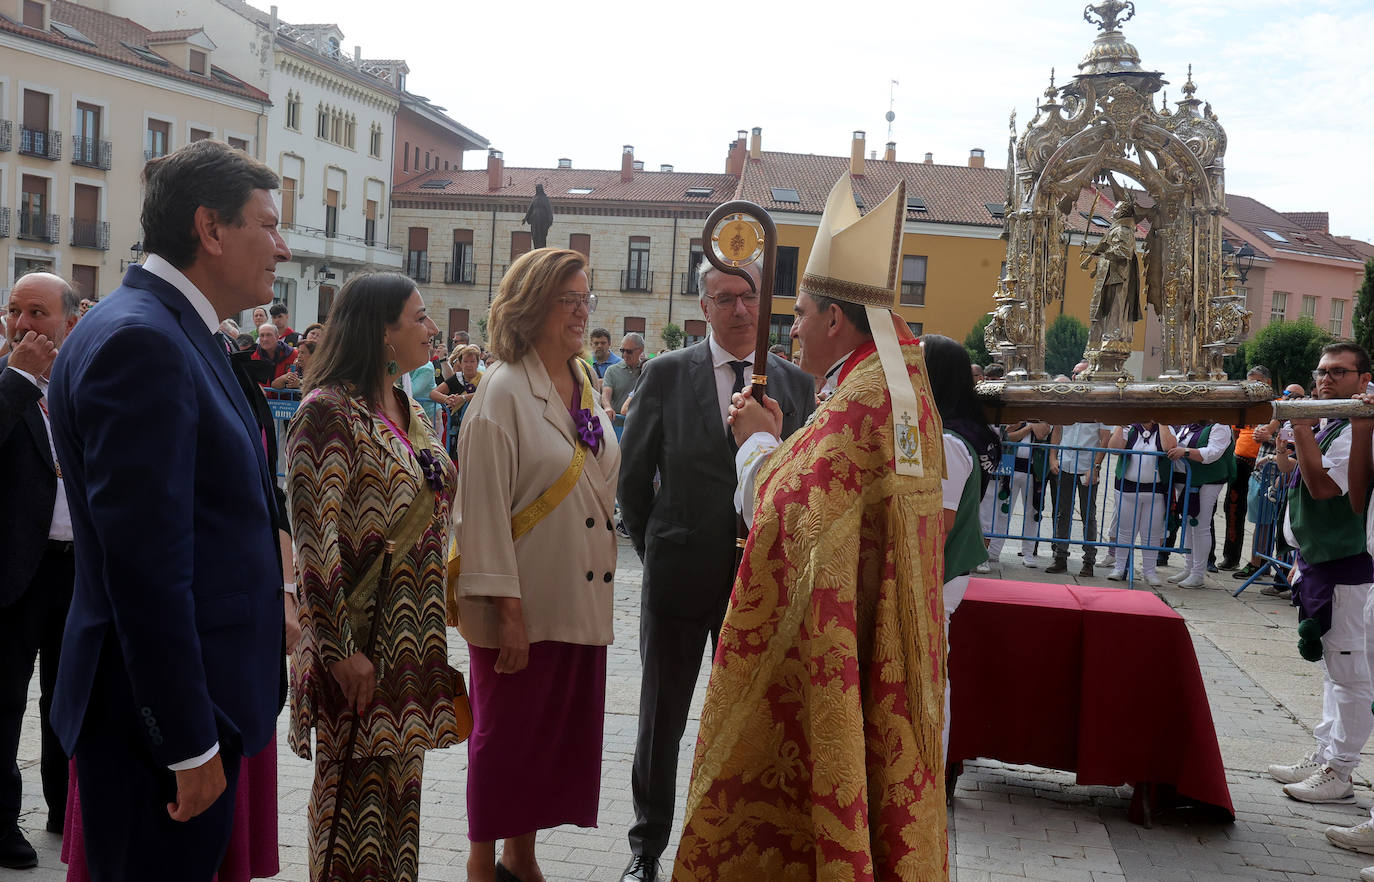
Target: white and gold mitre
x: 855, y: 258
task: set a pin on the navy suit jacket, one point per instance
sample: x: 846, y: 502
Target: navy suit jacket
x: 27, y: 503
x: 176, y: 549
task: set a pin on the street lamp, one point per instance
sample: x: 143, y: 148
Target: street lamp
x: 135, y: 255
x: 1241, y: 259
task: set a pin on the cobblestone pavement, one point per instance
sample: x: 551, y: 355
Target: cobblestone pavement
x: 1008, y: 822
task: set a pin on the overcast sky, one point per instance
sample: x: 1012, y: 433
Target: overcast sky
x: 543, y: 80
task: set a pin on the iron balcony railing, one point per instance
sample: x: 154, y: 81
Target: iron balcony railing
x: 91, y: 152
x: 43, y: 143
x: 460, y: 273
x: 90, y: 234
x: 636, y: 280
x: 6, y: 134
x: 689, y: 283
x: 39, y: 227
x: 4, y: 223
x: 417, y: 268
x: 150, y: 154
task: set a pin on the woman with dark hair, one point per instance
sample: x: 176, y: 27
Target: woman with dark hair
x: 364, y: 472
x: 539, y: 462
x: 972, y: 451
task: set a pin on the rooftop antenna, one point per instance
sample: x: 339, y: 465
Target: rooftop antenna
x: 891, y: 102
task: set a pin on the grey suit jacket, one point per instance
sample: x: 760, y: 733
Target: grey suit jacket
x: 685, y: 534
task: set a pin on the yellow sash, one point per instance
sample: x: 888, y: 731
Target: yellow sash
x: 525, y: 519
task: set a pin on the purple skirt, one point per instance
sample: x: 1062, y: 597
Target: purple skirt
x: 534, y: 758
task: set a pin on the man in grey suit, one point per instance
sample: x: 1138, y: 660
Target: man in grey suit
x: 685, y: 535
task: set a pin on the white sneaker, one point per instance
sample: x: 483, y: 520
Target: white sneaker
x: 1298, y: 771
x: 1193, y: 582
x: 1116, y: 576
x: 1178, y: 577
x: 1367, y: 874
x: 1030, y: 563
x: 1324, y: 785
x: 1153, y: 580
x: 1109, y: 560
x: 983, y: 568
x: 1357, y: 838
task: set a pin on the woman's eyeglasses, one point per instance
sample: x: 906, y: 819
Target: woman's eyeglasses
x: 571, y: 302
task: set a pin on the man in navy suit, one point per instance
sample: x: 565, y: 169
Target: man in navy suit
x: 171, y: 657
x: 36, y: 561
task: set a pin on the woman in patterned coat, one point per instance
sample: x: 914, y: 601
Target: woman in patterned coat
x: 361, y: 454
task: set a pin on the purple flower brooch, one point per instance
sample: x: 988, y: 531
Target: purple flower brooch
x: 433, y: 472
x: 589, y: 430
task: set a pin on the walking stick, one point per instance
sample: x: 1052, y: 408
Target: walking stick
x: 737, y: 234
x: 383, y: 598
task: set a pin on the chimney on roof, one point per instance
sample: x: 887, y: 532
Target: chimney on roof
x: 496, y: 168
x: 734, y: 160
x: 565, y: 163
x: 856, y: 155
x: 665, y: 167
x: 975, y: 157
x: 890, y: 154
x: 627, y: 164
x: 930, y: 158
x: 357, y: 54
x: 756, y: 143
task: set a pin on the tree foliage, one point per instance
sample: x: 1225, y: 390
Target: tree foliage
x: 672, y: 336
x: 1290, y: 350
x: 977, y: 349
x: 1238, y: 365
x: 1364, y: 310
x: 1065, y: 341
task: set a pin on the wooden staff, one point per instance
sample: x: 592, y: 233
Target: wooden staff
x: 737, y: 234
x: 1317, y: 408
x: 383, y: 598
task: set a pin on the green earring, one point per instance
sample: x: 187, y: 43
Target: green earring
x: 392, y: 368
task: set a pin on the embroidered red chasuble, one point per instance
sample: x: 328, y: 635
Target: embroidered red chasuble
x: 819, y: 755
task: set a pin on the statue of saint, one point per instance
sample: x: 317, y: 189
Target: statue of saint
x: 539, y: 216
x: 1115, y: 305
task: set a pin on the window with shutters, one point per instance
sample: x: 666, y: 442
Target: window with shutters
x: 288, y: 202
x: 1278, y: 307
x: 694, y: 258
x: 237, y: 143
x: 462, y: 270
x: 84, y: 280
x: 521, y: 241
x: 693, y: 331
x: 785, y: 275
x: 33, y: 14
x: 637, y: 275
x: 200, y: 63
x: 33, y: 208
x: 370, y: 222
x: 1337, y: 322
x: 634, y: 324
x: 331, y: 213
x: 581, y: 243
x: 417, y: 253
x: 159, y: 139
x: 200, y: 135
x: 913, y: 280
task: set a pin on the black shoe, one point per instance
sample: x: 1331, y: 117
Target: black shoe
x: 1059, y: 566
x: 1228, y: 564
x: 1213, y: 568
x: 504, y: 875
x: 55, y: 823
x: 1086, y: 572
x: 641, y: 869
x: 1162, y: 560
x: 1245, y: 572
x: 15, y: 851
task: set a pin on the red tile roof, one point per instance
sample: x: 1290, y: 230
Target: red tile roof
x: 1363, y: 250
x: 605, y: 185
x: 109, y: 33
x: 1310, y: 220
x: 171, y: 36
x: 1259, y: 220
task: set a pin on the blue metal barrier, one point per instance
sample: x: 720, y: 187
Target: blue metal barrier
x: 1268, y: 518
x: 1109, y: 504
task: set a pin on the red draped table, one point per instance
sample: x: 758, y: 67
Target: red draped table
x: 1102, y: 682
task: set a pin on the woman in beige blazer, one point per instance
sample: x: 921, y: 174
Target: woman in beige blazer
x: 535, y: 610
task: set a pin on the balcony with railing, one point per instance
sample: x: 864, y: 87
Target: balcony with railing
x: 460, y: 273
x: 688, y: 283
x: 636, y: 280
x: 92, y: 153
x: 149, y: 155
x: 39, y: 227
x: 4, y: 223
x: 6, y: 134
x: 417, y: 267
x: 43, y: 143
x: 90, y: 234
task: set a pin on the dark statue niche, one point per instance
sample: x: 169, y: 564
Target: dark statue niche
x: 539, y: 216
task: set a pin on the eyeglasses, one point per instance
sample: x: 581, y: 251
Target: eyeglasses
x: 1336, y: 374
x: 571, y: 302
x: 727, y: 301
x: 628, y: 351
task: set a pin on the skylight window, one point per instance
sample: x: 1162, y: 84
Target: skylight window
x: 225, y: 77
x: 148, y: 55
x: 786, y: 194
x: 72, y: 33
x: 580, y: 191
x: 1273, y: 235
x: 996, y: 209
x: 434, y: 185
x: 915, y: 203
x: 1097, y: 219
x: 697, y: 192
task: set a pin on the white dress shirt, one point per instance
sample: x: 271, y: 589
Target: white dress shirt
x: 725, y: 375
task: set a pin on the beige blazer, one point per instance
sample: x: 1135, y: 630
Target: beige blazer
x: 517, y: 439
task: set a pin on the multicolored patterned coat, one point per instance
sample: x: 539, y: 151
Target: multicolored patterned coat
x: 820, y: 755
x: 351, y: 481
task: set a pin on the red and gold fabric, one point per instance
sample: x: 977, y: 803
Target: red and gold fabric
x: 820, y: 748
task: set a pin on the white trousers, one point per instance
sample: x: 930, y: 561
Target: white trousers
x: 954, y: 592
x: 1347, y: 690
x: 1141, y: 523
x: 1200, y: 537
x: 1025, y: 525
